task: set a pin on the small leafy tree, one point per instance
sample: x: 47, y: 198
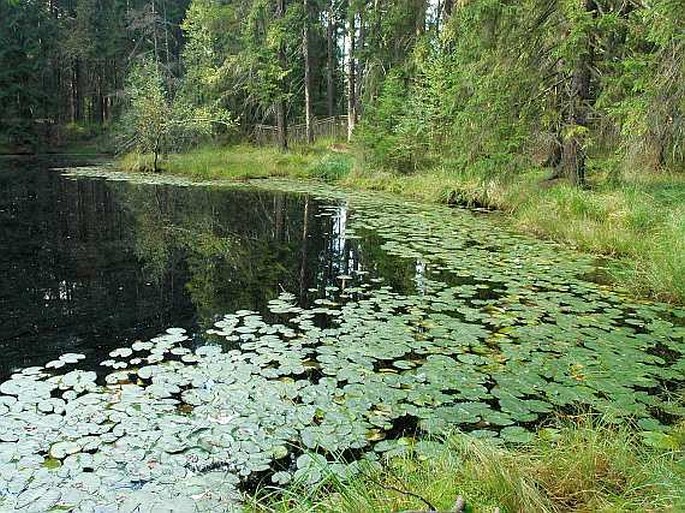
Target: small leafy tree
x: 156, y: 123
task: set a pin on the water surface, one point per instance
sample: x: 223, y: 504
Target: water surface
x: 89, y: 265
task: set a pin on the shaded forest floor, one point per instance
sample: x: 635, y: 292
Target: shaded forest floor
x: 586, y: 466
x: 637, y: 222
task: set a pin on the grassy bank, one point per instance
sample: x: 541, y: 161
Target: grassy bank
x: 637, y: 221
x: 583, y: 467
x: 243, y: 162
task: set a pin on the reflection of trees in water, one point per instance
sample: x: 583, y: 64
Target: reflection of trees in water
x: 90, y: 264
x: 239, y: 249
x: 71, y: 281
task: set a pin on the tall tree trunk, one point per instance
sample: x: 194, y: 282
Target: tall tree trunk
x: 166, y: 35
x: 154, y: 32
x: 97, y: 96
x: 572, y: 162
x: 307, y: 76
x: 359, y: 65
x: 351, y: 76
x: 420, y: 10
x: 76, y: 97
x: 330, y: 59
x: 281, y: 121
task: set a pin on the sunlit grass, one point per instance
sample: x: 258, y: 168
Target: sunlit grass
x: 583, y: 467
x: 241, y: 162
x: 644, y: 234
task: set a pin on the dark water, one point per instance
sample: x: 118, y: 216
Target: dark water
x: 89, y: 265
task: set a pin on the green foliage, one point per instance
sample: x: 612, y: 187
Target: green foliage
x: 500, y: 83
x: 331, y: 167
x: 155, y: 123
x: 146, y: 125
x: 232, y: 56
x: 26, y: 45
x: 468, y: 98
x: 391, y: 138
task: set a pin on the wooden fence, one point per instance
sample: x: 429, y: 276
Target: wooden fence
x: 327, y: 128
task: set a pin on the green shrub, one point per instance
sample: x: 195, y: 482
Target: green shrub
x: 331, y: 167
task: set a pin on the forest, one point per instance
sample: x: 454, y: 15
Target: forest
x: 482, y: 84
x: 342, y: 256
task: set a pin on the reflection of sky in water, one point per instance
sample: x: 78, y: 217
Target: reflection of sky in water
x: 420, y: 276
x: 344, y: 256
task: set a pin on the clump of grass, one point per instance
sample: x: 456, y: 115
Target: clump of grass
x: 135, y: 162
x: 645, y: 236
x: 659, y: 270
x: 443, y: 185
x: 237, y: 162
x: 583, y: 467
x: 331, y: 167
x: 608, y: 223
x: 241, y: 162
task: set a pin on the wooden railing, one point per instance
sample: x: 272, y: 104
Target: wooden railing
x: 327, y: 128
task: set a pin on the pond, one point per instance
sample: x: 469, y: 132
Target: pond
x: 89, y: 265
x: 175, y: 345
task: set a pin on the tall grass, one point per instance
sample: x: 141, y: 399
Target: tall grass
x: 245, y: 162
x: 644, y: 234
x: 585, y: 467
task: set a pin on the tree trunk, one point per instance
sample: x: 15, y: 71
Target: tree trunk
x: 307, y: 76
x: 154, y: 32
x: 420, y: 10
x: 572, y: 162
x: 156, y: 149
x: 76, y: 97
x: 359, y: 68
x: 97, y: 97
x: 447, y: 8
x: 280, y: 101
x: 330, y: 59
x: 351, y: 76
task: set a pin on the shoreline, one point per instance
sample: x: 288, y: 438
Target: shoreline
x: 637, y: 226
